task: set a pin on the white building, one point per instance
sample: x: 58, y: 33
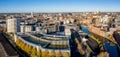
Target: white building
x: 38, y: 28
x: 104, y: 19
x: 22, y: 28
x: 26, y: 28
x: 3, y: 24
x: 68, y: 27
x: 13, y: 25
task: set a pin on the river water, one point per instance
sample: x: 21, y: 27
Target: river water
x: 111, y: 49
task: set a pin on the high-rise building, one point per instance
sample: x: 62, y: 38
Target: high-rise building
x: 13, y: 25
x: 31, y: 14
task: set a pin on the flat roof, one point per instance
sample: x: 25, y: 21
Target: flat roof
x: 43, y: 44
x: 34, y: 41
x: 37, y: 35
x: 51, y: 37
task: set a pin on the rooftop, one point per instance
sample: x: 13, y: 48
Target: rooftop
x: 45, y: 44
x: 9, y: 51
x: 2, y: 51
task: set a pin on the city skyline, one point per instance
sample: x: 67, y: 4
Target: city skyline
x: 18, y: 6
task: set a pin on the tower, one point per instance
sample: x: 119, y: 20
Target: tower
x: 31, y: 14
x: 13, y: 25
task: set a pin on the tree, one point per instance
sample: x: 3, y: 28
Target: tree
x: 26, y: 48
x: 23, y: 45
x: 58, y: 54
x: 45, y: 53
x: 52, y: 53
x: 39, y: 53
x: 8, y: 33
x: 13, y: 38
x: 17, y: 42
x: 20, y: 43
x: 29, y: 49
x: 34, y: 51
x: 93, y: 20
x: 66, y: 54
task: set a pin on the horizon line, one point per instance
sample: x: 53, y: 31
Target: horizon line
x: 59, y: 12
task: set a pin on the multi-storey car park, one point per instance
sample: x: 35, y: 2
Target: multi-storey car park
x: 45, y: 42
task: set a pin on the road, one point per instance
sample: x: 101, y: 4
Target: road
x: 9, y: 51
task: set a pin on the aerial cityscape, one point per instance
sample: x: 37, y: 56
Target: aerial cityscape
x: 59, y: 28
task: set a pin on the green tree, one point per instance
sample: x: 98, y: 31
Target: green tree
x: 17, y: 42
x: 13, y: 38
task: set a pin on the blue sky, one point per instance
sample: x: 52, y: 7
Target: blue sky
x: 8, y: 6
